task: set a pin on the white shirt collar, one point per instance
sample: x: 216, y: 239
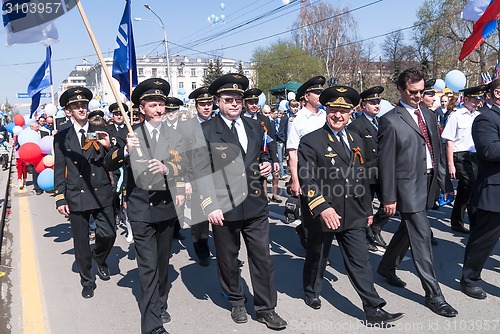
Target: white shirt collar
x: 150, y: 128
x: 77, y: 127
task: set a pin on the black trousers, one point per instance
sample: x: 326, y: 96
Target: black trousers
x: 380, y: 218
x: 354, y: 251
x: 199, y: 228
x: 105, y: 236
x: 153, y: 242
x: 255, y: 234
x: 466, y: 173
x: 482, y: 239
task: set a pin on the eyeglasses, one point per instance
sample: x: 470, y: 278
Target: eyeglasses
x: 252, y: 101
x: 415, y: 92
x: 117, y: 114
x: 231, y: 100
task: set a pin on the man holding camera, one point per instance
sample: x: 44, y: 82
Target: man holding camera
x: 83, y: 187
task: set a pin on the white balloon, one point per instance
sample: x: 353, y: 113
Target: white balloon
x: 291, y: 96
x: 28, y: 136
x: 60, y: 114
x: 209, y: 19
x: 285, y: 2
x: 28, y: 120
x: 50, y: 109
x: 283, y: 106
x: 222, y: 5
x: 94, y: 104
x: 17, y: 129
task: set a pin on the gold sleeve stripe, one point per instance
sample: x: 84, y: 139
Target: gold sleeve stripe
x: 59, y: 197
x: 174, y: 167
x: 114, y: 155
x: 315, y: 202
x: 206, y: 202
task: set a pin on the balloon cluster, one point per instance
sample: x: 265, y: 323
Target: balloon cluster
x: 455, y: 80
x: 213, y: 19
x: 35, y: 150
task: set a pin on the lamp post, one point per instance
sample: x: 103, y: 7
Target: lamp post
x: 165, y: 40
x: 360, y: 80
x: 96, y: 81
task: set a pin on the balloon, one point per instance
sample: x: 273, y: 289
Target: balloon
x: 46, y: 179
x: 455, y: 80
x: 216, y: 19
x: 440, y: 84
x: 94, y: 104
x: 291, y: 96
x: 40, y: 166
x: 10, y: 127
x: 222, y: 17
x: 17, y: 129
x: 28, y: 120
x: 46, y: 144
x: 19, y: 120
x: 48, y: 160
x: 209, y: 19
x: 285, y: 2
x: 182, y: 91
x: 212, y: 18
x: 262, y: 99
x: 30, y: 153
x: 28, y: 136
x: 222, y: 5
x: 50, y: 109
x: 385, y: 106
x: 60, y: 114
x: 283, y: 106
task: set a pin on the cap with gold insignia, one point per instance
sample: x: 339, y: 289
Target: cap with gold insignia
x: 151, y: 89
x: 172, y: 104
x: 314, y: 84
x: 75, y: 94
x: 252, y: 94
x: 96, y: 112
x: 475, y: 92
x: 201, y: 95
x: 229, y: 83
x: 373, y: 94
x: 429, y: 87
x: 340, y: 97
x: 485, y: 87
x: 114, y: 107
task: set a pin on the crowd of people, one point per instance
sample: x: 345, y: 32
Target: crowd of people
x: 337, y: 153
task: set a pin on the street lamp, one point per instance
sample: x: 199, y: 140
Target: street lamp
x: 360, y: 80
x: 165, y: 40
x: 96, y: 83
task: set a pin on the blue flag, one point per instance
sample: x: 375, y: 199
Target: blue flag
x: 124, y: 55
x: 41, y: 80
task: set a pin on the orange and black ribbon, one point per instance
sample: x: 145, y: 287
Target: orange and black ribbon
x: 175, y: 156
x: 89, y: 143
x: 357, y: 152
x: 263, y: 126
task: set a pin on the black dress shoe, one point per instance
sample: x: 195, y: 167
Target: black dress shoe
x: 103, y: 271
x: 39, y: 192
x: 240, y: 263
x: 165, y: 316
x: 271, y: 319
x: 473, y: 291
x: 392, y: 279
x: 460, y: 229
x: 441, y: 308
x: 313, y: 302
x: 204, y: 262
x: 378, y: 240
x: 88, y: 292
x: 379, y: 316
x: 159, y: 330
x: 372, y: 247
x: 239, y: 314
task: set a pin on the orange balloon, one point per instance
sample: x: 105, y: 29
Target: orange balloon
x: 48, y: 160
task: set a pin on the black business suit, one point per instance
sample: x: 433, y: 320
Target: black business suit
x: 330, y: 178
x: 237, y: 190
x: 486, y: 230
x: 152, y: 213
x: 403, y: 177
x: 83, y: 183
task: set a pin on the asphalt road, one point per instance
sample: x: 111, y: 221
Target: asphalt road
x: 40, y: 289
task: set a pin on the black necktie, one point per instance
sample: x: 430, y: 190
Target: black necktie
x: 154, y: 140
x: 375, y: 122
x: 234, y: 131
x: 82, y: 137
x: 346, y: 148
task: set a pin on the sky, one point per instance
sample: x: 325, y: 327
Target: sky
x: 185, y: 22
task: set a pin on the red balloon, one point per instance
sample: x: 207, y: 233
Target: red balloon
x: 30, y: 153
x: 40, y: 166
x: 19, y: 120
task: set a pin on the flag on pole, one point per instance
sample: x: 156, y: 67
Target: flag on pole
x: 482, y: 29
x: 474, y: 9
x: 41, y: 80
x: 124, y: 55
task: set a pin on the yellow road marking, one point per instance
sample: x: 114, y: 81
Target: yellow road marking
x: 33, y: 319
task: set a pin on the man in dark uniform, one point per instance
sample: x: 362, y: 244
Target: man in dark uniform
x: 429, y: 95
x: 366, y: 126
x: 235, y: 201
x: 485, y: 232
x: 331, y: 166
x: 152, y: 195
x: 83, y: 187
x: 411, y: 174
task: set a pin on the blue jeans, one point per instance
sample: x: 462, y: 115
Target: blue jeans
x: 280, y: 158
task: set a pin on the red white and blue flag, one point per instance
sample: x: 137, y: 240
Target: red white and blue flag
x: 485, y: 25
x: 265, y: 142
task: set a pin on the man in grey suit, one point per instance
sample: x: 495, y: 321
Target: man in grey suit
x: 411, y: 173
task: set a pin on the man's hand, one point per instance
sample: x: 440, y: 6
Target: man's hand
x: 390, y: 208
x: 156, y: 166
x: 216, y: 217
x: 276, y: 169
x: 452, y: 171
x: 448, y: 194
x: 369, y: 221
x: 188, y: 188
x: 104, y: 139
x: 331, y: 218
x: 295, y: 189
x: 132, y: 141
x: 63, y: 210
x: 265, y: 168
x: 179, y: 200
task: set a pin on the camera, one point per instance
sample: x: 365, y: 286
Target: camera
x: 92, y: 136
x: 292, y: 210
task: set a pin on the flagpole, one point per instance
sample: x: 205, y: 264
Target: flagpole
x: 52, y: 99
x: 130, y: 91
x: 105, y: 68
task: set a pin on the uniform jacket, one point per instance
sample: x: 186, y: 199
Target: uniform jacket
x: 80, y: 178
x: 117, y: 137
x: 486, y: 135
x: 235, y: 184
x: 365, y: 129
x: 151, y: 197
x: 402, y: 161
x: 329, y: 178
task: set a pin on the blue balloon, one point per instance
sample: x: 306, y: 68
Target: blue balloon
x: 455, y: 80
x: 46, y: 179
x: 440, y: 84
x: 182, y: 91
x: 262, y: 99
x: 10, y: 126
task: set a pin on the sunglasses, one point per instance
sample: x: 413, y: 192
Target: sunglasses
x: 415, y: 92
x: 231, y: 100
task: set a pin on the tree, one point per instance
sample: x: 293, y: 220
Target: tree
x: 282, y: 62
x: 213, y: 71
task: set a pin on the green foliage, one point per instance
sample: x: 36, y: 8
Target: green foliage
x: 214, y: 70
